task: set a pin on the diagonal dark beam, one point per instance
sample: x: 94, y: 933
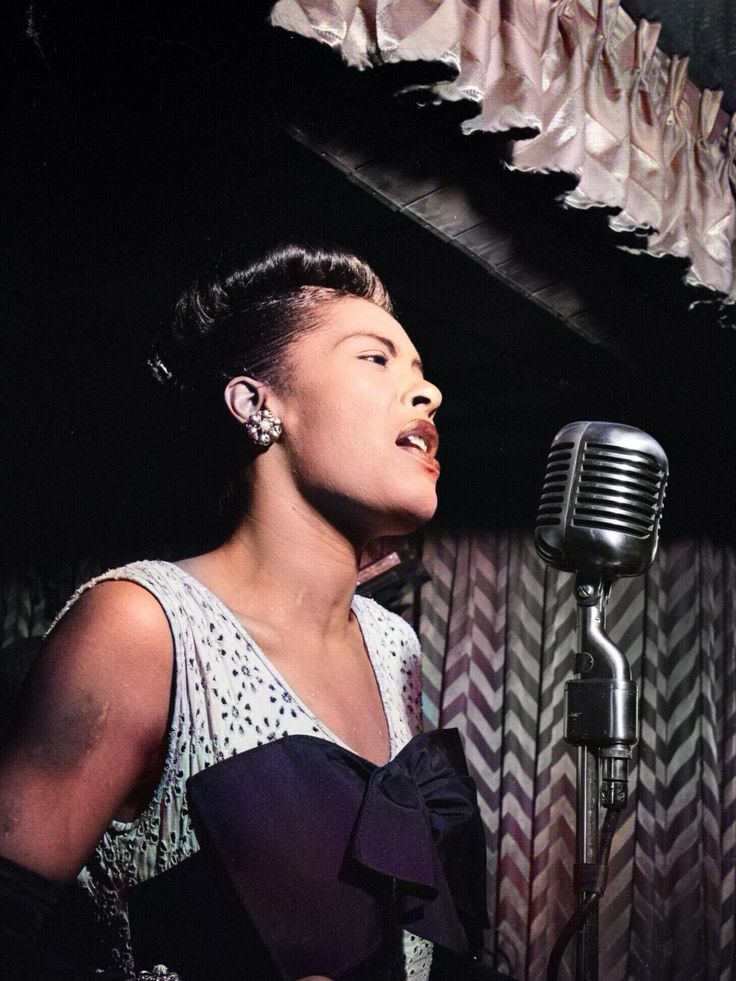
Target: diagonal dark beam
x: 448, y: 210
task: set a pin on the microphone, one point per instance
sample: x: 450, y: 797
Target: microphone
x: 599, y: 517
x: 601, y: 503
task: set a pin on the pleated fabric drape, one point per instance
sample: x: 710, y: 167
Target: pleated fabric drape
x: 608, y: 106
x: 498, y: 630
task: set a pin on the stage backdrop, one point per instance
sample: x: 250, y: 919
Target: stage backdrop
x: 498, y: 631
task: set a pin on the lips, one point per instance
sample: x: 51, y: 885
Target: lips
x: 420, y: 437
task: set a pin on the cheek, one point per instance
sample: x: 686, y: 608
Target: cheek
x: 340, y: 450
x: 350, y: 459
x: 345, y: 457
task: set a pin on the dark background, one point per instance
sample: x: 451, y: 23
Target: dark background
x: 703, y: 29
x: 140, y: 139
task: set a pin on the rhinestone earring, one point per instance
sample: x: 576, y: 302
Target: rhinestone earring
x: 263, y: 427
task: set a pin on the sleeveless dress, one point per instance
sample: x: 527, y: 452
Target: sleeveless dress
x: 228, y: 698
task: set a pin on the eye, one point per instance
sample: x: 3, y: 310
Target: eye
x: 376, y: 358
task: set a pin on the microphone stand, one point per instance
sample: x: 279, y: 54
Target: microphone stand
x: 601, y: 720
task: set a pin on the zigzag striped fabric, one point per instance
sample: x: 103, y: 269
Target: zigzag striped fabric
x: 503, y: 626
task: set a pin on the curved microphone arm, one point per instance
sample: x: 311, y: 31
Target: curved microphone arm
x: 602, y: 712
x: 598, y: 656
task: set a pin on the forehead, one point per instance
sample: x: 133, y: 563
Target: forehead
x: 351, y: 316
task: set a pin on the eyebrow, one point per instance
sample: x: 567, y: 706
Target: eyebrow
x: 416, y: 363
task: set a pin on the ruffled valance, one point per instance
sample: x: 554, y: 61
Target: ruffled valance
x: 608, y: 106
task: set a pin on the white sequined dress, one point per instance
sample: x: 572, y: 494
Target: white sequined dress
x: 229, y: 698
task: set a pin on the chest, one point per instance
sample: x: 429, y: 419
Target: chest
x: 236, y: 691
x: 344, y: 695
x: 336, y: 683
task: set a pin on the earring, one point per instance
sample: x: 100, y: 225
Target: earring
x: 263, y: 427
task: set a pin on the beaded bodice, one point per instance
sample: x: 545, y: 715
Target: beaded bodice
x: 228, y: 698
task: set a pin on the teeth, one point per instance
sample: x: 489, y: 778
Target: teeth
x: 417, y: 441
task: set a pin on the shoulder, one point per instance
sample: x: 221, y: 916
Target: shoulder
x: 400, y: 655
x: 92, y: 717
x: 113, y: 642
x: 390, y: 627
x: 142, y: 589
x: 120, y: 601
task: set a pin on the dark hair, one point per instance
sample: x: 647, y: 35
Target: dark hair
x: 239, y: 318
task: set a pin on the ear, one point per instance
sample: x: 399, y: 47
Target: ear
x: 244, y: 396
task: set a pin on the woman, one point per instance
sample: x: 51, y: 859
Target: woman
x: 163, y: 669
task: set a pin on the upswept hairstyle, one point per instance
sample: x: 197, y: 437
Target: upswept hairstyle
x: 240, y: 318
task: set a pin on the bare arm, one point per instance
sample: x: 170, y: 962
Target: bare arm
x: 96, y: 715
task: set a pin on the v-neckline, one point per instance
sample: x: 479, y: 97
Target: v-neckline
x: 241, y: 628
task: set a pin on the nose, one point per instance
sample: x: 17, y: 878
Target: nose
x: 426, y: 395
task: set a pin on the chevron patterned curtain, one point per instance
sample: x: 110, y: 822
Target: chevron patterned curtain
x: 498, y: 629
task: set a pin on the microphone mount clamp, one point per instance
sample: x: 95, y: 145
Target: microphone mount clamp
x: 601, y: 702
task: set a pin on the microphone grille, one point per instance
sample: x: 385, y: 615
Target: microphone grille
x: 602, y: 498
x: 618, y: 489
x: 552, y: 501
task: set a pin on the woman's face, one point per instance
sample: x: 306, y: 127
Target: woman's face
x: 357, y: 415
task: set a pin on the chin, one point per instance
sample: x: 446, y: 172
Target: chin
x: 410, y: 518
x: 365, y: 520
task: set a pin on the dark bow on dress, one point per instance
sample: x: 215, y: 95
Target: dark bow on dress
x: 330, y: 854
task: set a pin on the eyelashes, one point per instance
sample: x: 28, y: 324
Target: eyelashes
x: 381, y: 359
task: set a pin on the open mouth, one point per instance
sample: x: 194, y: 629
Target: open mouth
x: 416, y: 441
x: 420, y: 438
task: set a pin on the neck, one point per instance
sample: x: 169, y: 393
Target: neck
x: 291, y: 565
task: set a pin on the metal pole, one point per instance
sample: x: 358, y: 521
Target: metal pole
x: 586, y: 961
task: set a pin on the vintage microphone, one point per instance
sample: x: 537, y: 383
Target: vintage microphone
x: 598, y: 517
